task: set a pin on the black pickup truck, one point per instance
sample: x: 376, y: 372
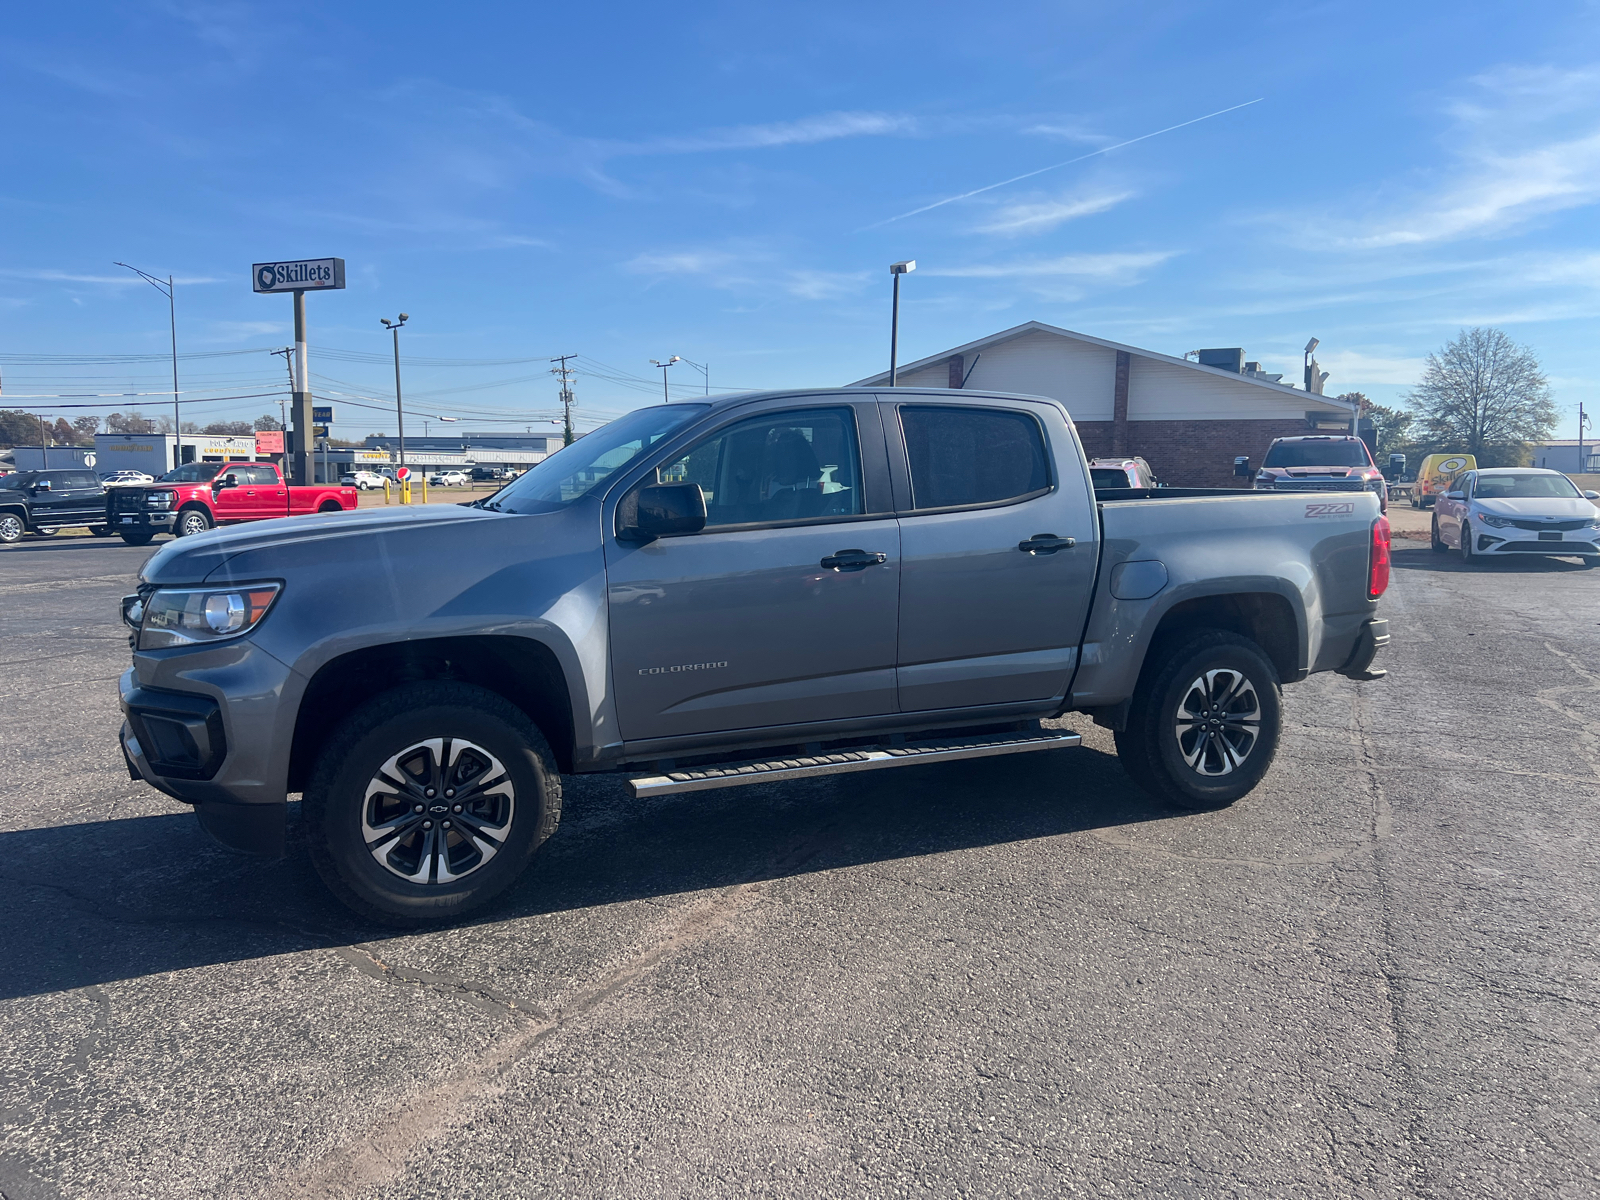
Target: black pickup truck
x: 45, y: 501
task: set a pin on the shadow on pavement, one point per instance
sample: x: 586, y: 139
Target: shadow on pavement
x: 1427, y: 559
x: 114, y: 900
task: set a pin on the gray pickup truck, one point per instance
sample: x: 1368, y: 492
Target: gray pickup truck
x: 766, y: 587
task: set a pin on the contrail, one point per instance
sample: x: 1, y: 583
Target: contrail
x: 1057, y: 166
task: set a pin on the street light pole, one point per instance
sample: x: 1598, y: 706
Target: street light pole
x: 172, y: 316
x: 655, y: 362
x: 704, y: 369
x: 399, y: 413
x: 896, y: 270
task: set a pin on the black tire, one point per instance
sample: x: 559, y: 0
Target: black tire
x: 347, y: 828
x: 101, y: 530
x: 1184, y: 747
x: 136, y: 537
x: 331, y: 507
x: 1464, y: 546
x: 11, y: 529
x: 50, y: 532
x: 1438, y: 542
x: 191, y: 521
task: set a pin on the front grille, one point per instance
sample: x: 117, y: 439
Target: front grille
x: 1573, y: 547
x: 1547, y: 525
x: 127, y: 500
x: 1319, y: 485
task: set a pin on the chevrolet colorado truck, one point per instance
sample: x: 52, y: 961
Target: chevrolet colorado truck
x: 766, y: 587
x: 199, y: 496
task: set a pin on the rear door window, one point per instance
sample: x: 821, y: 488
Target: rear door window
x: 789, y: 466
x: 961, y: 457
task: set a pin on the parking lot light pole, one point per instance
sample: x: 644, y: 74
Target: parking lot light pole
x: 896, y: 270
x: 399, y: 414
x: 172, y: 315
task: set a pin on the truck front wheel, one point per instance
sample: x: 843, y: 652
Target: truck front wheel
x: 1204, y: 723
x: 428, y: 802
x: 192, y: 521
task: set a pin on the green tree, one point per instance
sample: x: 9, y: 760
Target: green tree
x: 87, y: 427
x: 1483, y: 394
x: 18, y: 428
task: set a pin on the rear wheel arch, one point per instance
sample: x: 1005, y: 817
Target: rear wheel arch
x: 1266, y: 618
x: 525, y: 672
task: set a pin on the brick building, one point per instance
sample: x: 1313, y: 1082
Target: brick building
x: 1187, y: 419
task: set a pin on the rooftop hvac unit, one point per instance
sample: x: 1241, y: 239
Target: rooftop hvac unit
x: 1229, y: 359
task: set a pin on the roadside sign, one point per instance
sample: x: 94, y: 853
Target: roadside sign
x: 269, y: 441
x: 300, y: 275
x: 402, y: 474
x: 322, y: 415
x: 88, y: 460
x: 319, y: 431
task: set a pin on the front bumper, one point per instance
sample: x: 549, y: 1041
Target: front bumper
x: 1580, y: 542
x: 207, y: 727
x: 140, y: 519
x: 1373, y: 637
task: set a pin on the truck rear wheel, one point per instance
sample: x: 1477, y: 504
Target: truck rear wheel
x: 428, y: 802
x: 1204, y: 723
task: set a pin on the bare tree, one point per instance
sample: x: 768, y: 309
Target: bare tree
x: 1484, y: 395
x: 266, y: 421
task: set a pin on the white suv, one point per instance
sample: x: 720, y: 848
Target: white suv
x: 362, y: 480
x: 447, y: 478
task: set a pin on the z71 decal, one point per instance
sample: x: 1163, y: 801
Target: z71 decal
x: 1337, y: 508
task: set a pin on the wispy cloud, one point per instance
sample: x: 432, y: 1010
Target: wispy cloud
x: 825, y: 127
x: 1526, y: 143
x: 1119, y: 268
x: 124, y: 280
x: 750, y: 269
x: 1044, y: 215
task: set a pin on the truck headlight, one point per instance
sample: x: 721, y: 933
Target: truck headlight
x: 158, y: 500
x: 1496, y: 522
x: 1265, y: 481
x: 194, y: 616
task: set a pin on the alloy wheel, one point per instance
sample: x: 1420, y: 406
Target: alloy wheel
x: 192, y: 523
x: 438, y: 810
x: 10, y: 528
x: 1218, y: 722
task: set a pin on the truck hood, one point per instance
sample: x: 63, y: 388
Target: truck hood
x: 1551, y: 508
x: 192, y: 559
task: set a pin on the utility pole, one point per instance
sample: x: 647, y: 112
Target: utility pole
x: 44, y: 450
x: 564, y: 373
x: 288, y: 365
x: 1583, y: 461
x: 656, y: 362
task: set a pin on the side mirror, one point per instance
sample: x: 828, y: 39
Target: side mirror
x: 224, y: 481
x: 1455, y: 495
x: 1591, y: 495
x: 663, y: 509
x: 42, y: 486
x: 1241, y: 466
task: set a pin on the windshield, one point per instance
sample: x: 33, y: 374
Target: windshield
x: 576, y: 470
x: 1525, y: 487
x: 1341, y: 453
x: 192, y: 473
x: 1108, y: 477
x: 18, y: 479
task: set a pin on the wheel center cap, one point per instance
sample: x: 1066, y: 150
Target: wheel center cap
x: 440, y: 808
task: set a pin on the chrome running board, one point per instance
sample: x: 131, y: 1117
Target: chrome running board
x: 869, y: 758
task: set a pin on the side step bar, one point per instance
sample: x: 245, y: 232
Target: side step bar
x: 869, y: 758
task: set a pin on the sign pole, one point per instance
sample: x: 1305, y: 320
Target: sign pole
x: 300, y: 403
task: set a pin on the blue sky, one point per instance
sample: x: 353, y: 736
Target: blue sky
x: 723, y: 182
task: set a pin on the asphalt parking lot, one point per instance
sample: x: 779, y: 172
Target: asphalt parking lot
x: 1376, y: 976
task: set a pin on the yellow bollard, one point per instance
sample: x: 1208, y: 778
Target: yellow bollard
x: 405, y: 491
x: 424, y: 489
x: 386, y: 489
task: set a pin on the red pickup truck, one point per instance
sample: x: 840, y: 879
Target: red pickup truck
x: 197, y: 496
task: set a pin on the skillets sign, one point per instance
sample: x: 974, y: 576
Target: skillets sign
x: 302, y: 275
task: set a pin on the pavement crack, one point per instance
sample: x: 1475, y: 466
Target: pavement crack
x: 364, y: 960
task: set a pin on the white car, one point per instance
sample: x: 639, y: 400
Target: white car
x: 447, y: 478
x: 127, y: 479
x: 362, y: 480
x: 1511, y: 511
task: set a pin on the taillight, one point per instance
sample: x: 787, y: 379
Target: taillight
x: 1378, y: 559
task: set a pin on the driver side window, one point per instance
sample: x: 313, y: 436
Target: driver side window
x: 776, y: 467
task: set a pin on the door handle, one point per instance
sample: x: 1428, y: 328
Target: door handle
x: 1046, y: 543
x: 854, y: 560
